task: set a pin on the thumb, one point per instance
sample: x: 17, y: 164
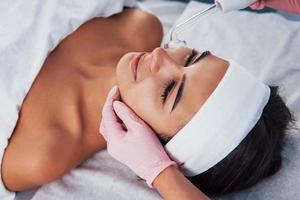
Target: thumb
x: 128, y: 117
x: 258, y: 5
x: 111, y: 130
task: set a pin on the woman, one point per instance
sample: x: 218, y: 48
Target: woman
x: 61, y: 111
x: 176, y: 111
x: 256, y: 157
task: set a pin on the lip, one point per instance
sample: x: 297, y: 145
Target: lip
x: 135, y: 64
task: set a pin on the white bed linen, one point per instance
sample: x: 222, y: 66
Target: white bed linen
x: 270, y: 51
x: 29, y: 31
x: 168, y: 12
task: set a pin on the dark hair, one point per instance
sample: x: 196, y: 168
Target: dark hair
x: 256, y: 157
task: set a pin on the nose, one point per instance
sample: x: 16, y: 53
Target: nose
x: 160, y: 58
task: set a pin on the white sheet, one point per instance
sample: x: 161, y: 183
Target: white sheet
x: 29, y: 31
x: 168, y: 12
x: 270, y: 51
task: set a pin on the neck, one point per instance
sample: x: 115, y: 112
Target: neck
x: 92, y: 92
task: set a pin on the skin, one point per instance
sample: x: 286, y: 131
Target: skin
x: 159, y: 67
x: 62, y: 111
x: 58, y: 126
x: 181, y: 188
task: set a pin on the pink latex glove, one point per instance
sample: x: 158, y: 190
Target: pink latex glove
x: 136, y: 146
x: 292, y: 6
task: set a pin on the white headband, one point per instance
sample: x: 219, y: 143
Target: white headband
x: 222, y: 122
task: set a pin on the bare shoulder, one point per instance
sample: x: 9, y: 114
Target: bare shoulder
x: 39, y: 155
x: 131, y: 30
x: 30, y: 159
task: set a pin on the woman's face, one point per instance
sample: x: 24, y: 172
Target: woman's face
x: 166, y: 87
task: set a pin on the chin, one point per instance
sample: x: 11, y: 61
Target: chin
x: 123, y: 71
x: 123, y: 65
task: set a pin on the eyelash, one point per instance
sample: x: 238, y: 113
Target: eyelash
x: 167, y: 88
x: 170, y: 84
x: 191, y: 56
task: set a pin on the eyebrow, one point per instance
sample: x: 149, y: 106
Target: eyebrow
x: 202, y: 56
x: 179, y: 92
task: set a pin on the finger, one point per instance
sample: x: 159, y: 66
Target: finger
x: 107, y: 127
x: 107, y: 110
x: 258, y: 5
x: 109, y: 122
x: 112, y: 131
x: 128, y: 117
x: 114, y: 93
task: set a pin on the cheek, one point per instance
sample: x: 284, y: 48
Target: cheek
x: 143, y: 102
x: 160, y: 121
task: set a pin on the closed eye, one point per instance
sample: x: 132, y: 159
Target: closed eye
x: 167, y: 89
x: 179, y: 92
x: 196, y: 57
x: 191, y: 56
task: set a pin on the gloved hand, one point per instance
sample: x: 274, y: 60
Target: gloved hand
x: 135, y: 145
x: 292, y: 6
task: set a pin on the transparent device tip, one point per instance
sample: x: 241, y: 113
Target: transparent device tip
x: 174, y: 41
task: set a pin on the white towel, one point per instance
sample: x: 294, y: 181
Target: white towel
x: 29, y: 31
